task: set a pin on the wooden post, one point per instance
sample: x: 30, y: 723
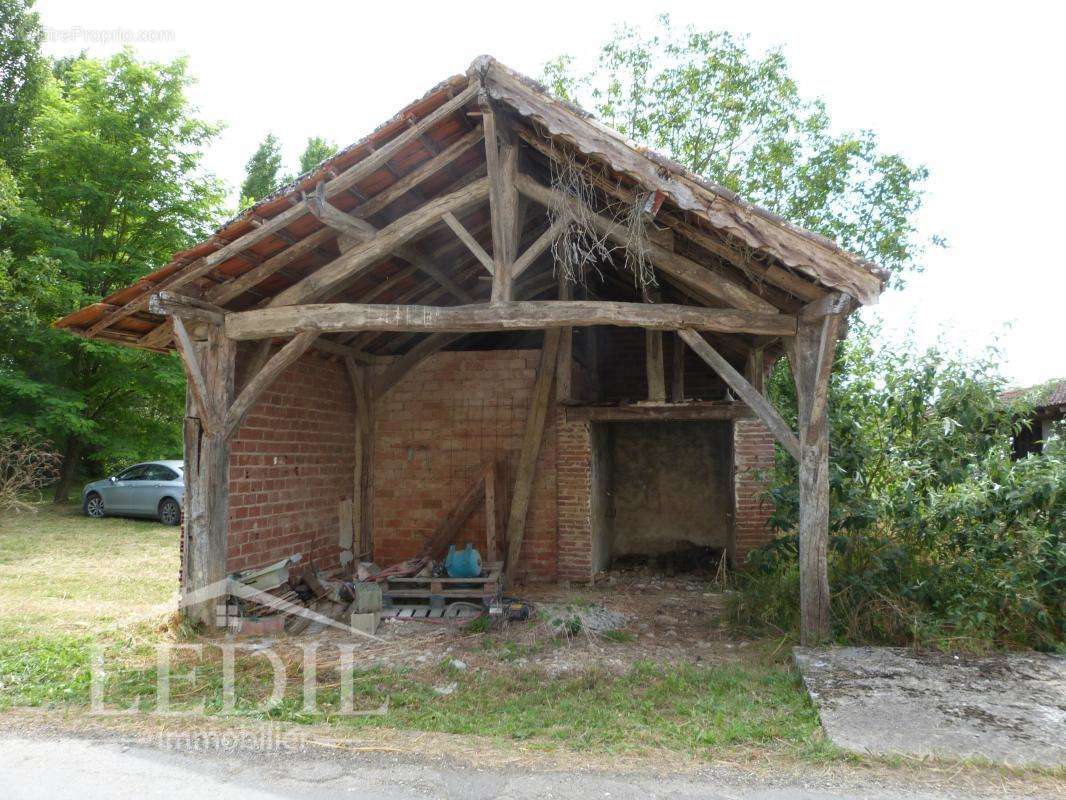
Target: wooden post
x: 678, y: 374
x: 592, y: 360
x: 811, y: 359
x: 191, y: 432
x: 527, y: 462
x: 207, y: 451
x: 493, y: 511
x: 656, y: 371
x: 755, y: 369
x: 501, y: 158
x: 565, y: 371
x: 363, y: 477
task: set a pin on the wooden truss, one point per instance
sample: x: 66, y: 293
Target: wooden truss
x: 491, y: 273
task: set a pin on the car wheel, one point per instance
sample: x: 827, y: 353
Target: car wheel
x: 94, y: 505
x: 169, y: 512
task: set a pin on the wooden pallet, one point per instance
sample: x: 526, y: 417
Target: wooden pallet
x: 427, y: 612
x: 439, y: 590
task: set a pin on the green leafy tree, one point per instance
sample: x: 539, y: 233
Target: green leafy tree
x: 22, y: 74
x: 262, y: 171
x: 317, y: 151
x: 740, y: 120
x: 111, y: 187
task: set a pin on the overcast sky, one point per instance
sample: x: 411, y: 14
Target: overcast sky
x: 972, y: 90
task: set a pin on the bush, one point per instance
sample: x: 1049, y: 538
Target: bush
x: 26, y: 465
x: 937, y: 536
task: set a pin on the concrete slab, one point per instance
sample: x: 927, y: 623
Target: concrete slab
x: 1007, y: 708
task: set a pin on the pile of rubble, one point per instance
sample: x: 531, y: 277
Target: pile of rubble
x: 294, y: 596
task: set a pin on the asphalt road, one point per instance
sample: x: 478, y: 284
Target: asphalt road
x: 62, y: 766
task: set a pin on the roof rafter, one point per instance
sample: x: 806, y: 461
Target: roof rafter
x: 680, y: 267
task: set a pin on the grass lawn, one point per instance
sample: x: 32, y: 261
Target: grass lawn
x: 68, y: 583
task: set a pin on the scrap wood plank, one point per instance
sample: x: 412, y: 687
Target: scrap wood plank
x: 450, y: 525
x: 493, y: 511
x: 346, y: 525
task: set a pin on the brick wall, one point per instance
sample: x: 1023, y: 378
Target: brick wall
x: 573, y: 462
x: 290, y: 465
x: 753, y: 453
x: 436, y: 429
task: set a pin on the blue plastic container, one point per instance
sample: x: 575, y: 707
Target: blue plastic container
x: 463, y: 563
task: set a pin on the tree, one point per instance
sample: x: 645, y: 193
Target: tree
x: 22, y: 74
x: 317, y: 151
x: 111, y: 187
x: 740, y: 120
x: 261, y: 176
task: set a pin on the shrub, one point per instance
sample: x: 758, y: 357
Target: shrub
x: 26, y: 465
x: 937, y: 536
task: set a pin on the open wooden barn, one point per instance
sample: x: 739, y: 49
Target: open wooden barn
x: 493, y: 298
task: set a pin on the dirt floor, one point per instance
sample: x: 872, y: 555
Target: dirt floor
x: 630, y: 616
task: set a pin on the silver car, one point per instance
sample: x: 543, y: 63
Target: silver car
x: 152, y: 489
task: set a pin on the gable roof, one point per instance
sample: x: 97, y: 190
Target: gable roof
x: 428, y: 149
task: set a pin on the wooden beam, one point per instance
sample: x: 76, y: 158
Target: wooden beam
x: 651, y: 412
x: 444, y: 534
x: 542, y: 243
x: 837, y: 303
x: 188, y: 308
x: 207, y: 457
x: 755, y: 369
x: 684, y: 269
x: 517, y: 315
x: 328, y: 214
x: 358, y: 231
x: 811, y: 357
x: 393, y: 235
x: 254, y: 361
x: 209, y: 421
x: 342, y: 182
x: 737, y: 258
x: 471, y: 243
x: 759, y: 404
x: 654, y: 366
x: 379, y: 157
x: 677, y: 376
x: 493, y: 512
x: 527, y: 460
x: 565, y: 370
x: 266, y: 376
x: 225, y: 292
x: 828, y: 330
x: 362, y: 478
x: 501, y: 158
x: 422, y: 172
